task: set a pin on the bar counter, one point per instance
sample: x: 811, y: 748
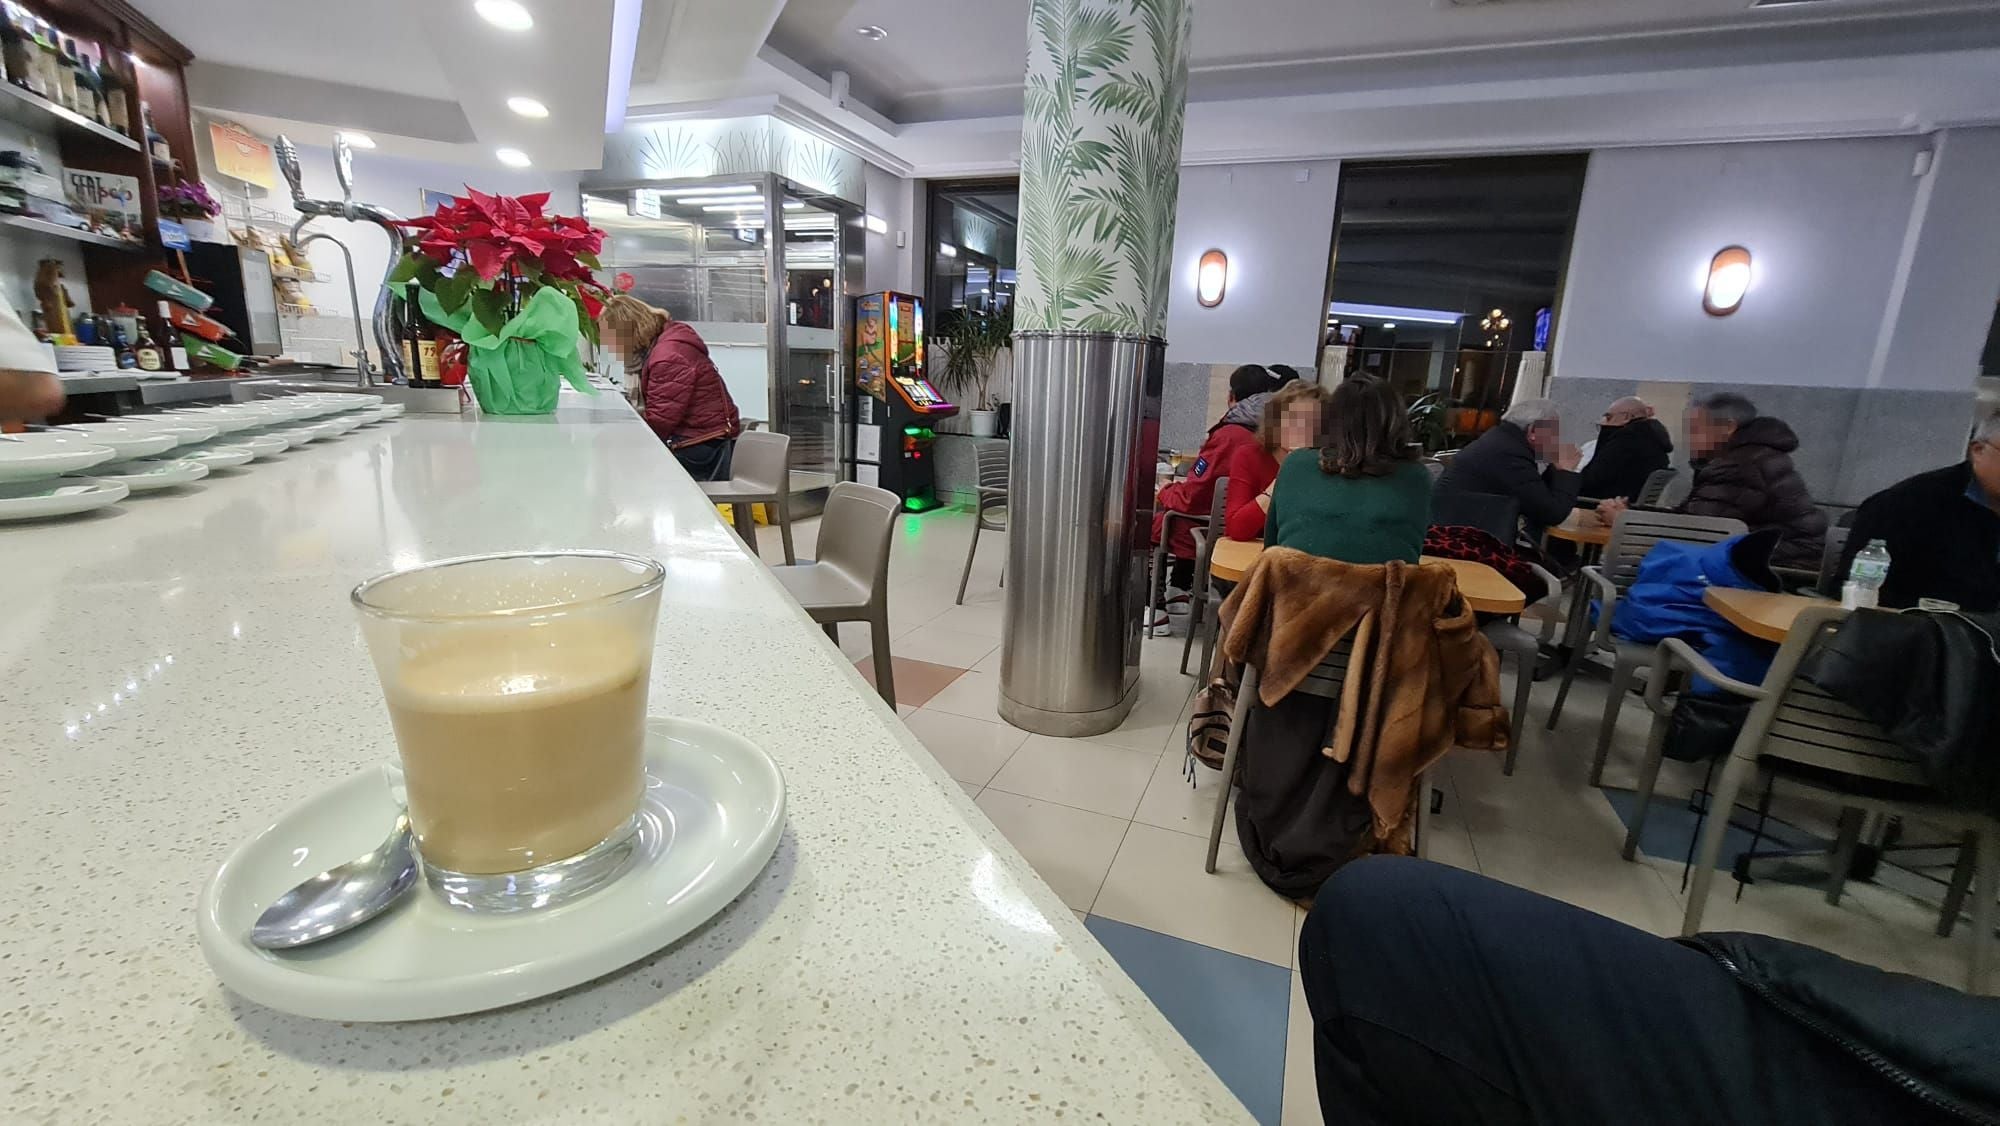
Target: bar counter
x: 179, y: 669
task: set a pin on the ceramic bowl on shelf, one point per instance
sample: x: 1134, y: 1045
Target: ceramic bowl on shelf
x: 35, y: 457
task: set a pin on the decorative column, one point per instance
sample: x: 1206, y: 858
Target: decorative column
x: 1100, y: 173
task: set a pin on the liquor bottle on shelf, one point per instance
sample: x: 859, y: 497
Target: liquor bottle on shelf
x: 17, y: 51
x: 93, y: 76
x: 128, y: 358
x: 156, y: 141
x: 48, y: 61
x: 407, y: 339
x: 117, y: 108
x: 427, y: 373
x: 65, y: 63
x: 150, y: 356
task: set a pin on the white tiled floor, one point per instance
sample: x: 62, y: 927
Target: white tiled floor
x: 1114, y: 827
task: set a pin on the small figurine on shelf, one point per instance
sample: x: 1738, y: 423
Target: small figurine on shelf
x: 53, y: 298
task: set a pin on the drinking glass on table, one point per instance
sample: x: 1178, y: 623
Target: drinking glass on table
x: 516, y: 684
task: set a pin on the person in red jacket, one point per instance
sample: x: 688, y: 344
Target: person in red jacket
x: 678, y: 391
x: 1231, y: 450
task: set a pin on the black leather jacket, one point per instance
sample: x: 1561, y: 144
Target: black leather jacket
x: 1934, y: 1042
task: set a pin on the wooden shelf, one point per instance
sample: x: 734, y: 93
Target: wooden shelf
x: 57, y: 230
x: 40, y: 114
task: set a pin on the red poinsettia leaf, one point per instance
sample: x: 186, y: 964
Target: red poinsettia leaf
x: 488, y: 258
x: 486, y: 206
x: 591, y: 305
x: 534, y: 202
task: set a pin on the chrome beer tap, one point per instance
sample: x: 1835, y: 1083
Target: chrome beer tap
x: 346, y: 208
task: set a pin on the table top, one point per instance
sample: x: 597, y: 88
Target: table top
x: 1759, y: 613
x: 180, y: 669
x: 1582, y: 526
x: 1484, y: 589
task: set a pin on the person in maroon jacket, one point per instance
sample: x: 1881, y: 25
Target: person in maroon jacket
x: 678, y: 391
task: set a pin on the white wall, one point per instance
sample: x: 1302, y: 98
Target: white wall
x: 1825, y: 222
x: 899, y: 202
x: 1943, y: 301
x: 1277, y: 230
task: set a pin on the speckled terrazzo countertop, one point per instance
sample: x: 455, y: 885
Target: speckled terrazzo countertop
x: 180, y: 669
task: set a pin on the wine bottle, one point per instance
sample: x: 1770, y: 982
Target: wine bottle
x: 117, y: 108
x: 150, y: 355
x: 17, y: 51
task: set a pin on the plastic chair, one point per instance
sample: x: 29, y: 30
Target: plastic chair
x: 1822, y: 745
x: 1163, y: 550
x: 1325, y: 680
x: 1830, y: 578
x: 1612, y: 575
x: 1512, y: 637
x: 849, y: 582
x: 761, y: 474
x: 1204, y: 548
x: 992, y: 463
x: 1657, y: 483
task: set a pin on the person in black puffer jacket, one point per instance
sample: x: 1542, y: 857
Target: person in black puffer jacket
x: 1743, y: 468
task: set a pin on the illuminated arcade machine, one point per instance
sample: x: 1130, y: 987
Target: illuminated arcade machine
x: 893, y: 421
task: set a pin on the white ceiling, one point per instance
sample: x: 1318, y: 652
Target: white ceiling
x: 945, y: 60
x: 367, y: 43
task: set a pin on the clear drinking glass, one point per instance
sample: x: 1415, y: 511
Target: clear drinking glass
x: 517, y: 687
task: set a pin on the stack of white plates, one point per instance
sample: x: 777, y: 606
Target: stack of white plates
x: 124, y: 439
x: 31, y: 481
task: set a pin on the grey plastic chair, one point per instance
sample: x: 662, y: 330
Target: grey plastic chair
x: 1635, y: 534
x: 1204, y: 549
x: 1512, y: 637
x: 1162, y: 552
x: 1325, y: 680
x: 991, y: 461
x: 760, y: 474
x: 1830, y: 578
x: 849, y: 582
x: 1820, y: 744
x: 1657, y: 483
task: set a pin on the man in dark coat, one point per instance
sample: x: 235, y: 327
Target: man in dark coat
x: 1631, y: 446
x: 1942, y: 529
x: 1508, y: 461
x: 1743, y: 468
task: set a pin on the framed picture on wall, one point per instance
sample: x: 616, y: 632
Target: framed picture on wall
x: 434, y: 200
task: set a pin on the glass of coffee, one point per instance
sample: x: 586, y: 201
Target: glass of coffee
x: 517, y: 687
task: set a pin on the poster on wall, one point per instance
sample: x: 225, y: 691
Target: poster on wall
x: 241, y: 155
x: 434, y: 199
x: 107, y: 194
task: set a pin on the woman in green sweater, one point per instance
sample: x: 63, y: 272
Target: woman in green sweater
x: 1362, y: 497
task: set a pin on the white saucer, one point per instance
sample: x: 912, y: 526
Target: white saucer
x: 300, y: 435
x: 261, y: 444
x: 226, y: 420
x: 339, y: 424
x: 371, y: 416
x: 216, y: 455
x: 32, y: 500
x: 713, y: 811
x: 124, y: 439
x: 186, y: 431
x: 146, y: 474
x: 393, y: 410
x: 39, y: 457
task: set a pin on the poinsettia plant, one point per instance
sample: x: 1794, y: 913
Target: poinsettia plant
x: 499, y: 251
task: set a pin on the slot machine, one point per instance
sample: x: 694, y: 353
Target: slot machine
x: 894, y: 419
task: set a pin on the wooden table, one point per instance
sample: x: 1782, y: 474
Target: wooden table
x: 1759, y: 613
x: 1583, y: 527
x: 1484, y: 589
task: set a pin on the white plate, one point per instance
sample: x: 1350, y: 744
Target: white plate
x: 394, y: 410
x: 263, y: 443
x: 281, y: 410
x: 31, y: 457
x: 186, y: 431
x: 34, y: 500
x: 371, y: 416
x: 300, y: 435
x: 340, y: 424
x: 125, y: 440
x: 146, y: 475
x: 216, y: 455
x: 711, y: 818
x: 226, y: 420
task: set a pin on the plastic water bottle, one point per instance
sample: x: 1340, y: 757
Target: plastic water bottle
x: 1865, y: 577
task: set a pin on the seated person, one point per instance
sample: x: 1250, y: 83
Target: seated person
x: 1523, y: 457
x: 1291, y: 422
x: 1942, y: 529
x: 1362, y: 496
x: 1631, y: 446
x: 1231, y: 450
x: 1743, y: 469
x: 1439, y: 996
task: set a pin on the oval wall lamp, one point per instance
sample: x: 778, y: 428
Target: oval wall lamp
x: 1728, y: 281
x: 1211, y: 278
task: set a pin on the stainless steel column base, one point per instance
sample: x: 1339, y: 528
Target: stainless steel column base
x: 1079, y: 525
x: 1068, y: 725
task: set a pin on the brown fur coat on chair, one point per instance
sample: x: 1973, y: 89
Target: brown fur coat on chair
x: 1427, y: 679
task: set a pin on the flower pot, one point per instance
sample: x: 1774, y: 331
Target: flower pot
x: 985, y: 424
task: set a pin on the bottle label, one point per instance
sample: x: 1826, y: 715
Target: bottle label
x: 427, y: 359
x: 149, y: 359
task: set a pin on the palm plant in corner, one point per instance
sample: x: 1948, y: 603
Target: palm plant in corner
x: 971, y: 343
x: 516, y: 286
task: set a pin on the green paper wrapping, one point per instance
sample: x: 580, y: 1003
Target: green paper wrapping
x: 520, y: 369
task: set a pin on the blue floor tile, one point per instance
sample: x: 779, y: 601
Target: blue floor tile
x: 1670, y: 825
x: 1231, y: 1009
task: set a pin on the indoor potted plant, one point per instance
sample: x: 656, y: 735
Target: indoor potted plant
x: 516, y: 286
x: 971, y: 342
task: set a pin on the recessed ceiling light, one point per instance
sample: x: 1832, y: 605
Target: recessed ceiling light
x: 872, y: 31
x: 527, y: 107
x: 513, y: 158
x: 357, y: 140
x: 508, y: 15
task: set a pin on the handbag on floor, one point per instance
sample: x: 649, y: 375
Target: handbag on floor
x: 1208, y: 726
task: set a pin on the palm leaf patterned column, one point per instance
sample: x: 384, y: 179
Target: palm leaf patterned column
x: 1100, y: 164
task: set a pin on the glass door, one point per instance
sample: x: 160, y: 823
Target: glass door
x: 813, y: 311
